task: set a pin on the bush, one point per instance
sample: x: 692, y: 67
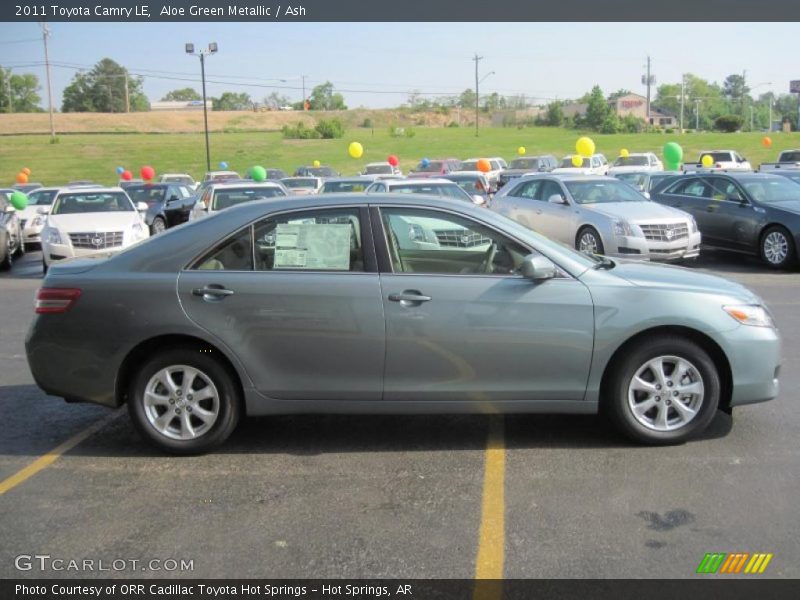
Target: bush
x: 610, y: 124
x: 409, y: 132
x: 300, y: 132
x: 397, y: 132
x: 453, y: 124
x: 367, y: 123
x: 728, y: 123
x: 669, y: 130
x: 329, y: 130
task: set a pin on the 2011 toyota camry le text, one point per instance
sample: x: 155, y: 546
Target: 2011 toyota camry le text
x: 392, y: 303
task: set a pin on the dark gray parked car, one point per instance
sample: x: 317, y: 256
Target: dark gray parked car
x: 391, y: 303
x: 754, y: 213
x: 11, y: 239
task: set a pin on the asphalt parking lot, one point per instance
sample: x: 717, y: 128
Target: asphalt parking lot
x: 320, y: 496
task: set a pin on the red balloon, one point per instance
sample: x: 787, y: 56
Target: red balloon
x: 127, y: 175
x: 148, y: 173
x: 393, y: 160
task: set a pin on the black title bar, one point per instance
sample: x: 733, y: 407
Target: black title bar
x: 404, y: 10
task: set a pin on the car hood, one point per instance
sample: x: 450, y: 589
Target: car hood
x: 631, y: 169
x: 111, y: 221
x: 653, y: 275
x: 637, y: 212
x: 574, y: 170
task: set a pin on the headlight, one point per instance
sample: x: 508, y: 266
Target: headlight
x: 52, y: 236
x: 416, y: 233
x: 37, y: 221
x: 693, y: 224
x: 622, y: 227
x: 750, y: 314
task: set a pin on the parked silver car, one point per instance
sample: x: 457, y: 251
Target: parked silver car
x: 599, y: 215
x: 310, y: 305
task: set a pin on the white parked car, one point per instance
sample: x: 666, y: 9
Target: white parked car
x: 303, y: 186
x: 594, y: 165
x: 382, y: 169
x: 471, y: 164
x: 182, y: 178
x: 636, y: 162
x: 221, y: 175
x: 728, y: 160
x: 82, y: 222
x: 220, y: 196
x: 31, y: 221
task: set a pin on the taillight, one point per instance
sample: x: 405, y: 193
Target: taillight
x: 56, y: 300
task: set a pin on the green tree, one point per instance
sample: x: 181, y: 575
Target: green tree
x: 323, y: 98
x: 276, y: 100
x: 467, y: 99
x: 18, y: 92
x: 232, y: 101
x: 554, y: 117
x: 597, y: 109
x: 735, y: 89
x: 182, y: 95
x: 103, y: 90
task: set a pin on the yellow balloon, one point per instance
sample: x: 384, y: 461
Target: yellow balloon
x: 577, y: 160
x: 355, y: 150
x: 521, y: 151
x: 316, y: 163
x: 584, y: 146
x: 624, y: 153
x: 707, y: 160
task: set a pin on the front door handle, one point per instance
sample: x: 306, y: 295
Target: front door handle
x: 212, y: 292
x: 409, y: 298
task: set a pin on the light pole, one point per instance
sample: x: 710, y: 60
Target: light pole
x: 212, y: 49
x: 477, y: 94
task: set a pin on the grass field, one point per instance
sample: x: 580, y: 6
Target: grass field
x: 95, y: 156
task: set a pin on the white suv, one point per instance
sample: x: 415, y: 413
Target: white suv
x: 635, y: 163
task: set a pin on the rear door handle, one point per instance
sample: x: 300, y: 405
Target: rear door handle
x: 212, y: 292
x: 409, y: 297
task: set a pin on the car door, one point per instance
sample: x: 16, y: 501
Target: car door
x: 556, y: 221
x: 520, y: 204
x: 296, y: 296
x: 693, y: 195
x: 735, y: 224
x: 480, y: 333
x: 173, y: 207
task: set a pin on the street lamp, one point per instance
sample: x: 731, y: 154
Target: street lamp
x: 212, y: 49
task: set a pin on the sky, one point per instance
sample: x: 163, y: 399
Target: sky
x: 377, y: 64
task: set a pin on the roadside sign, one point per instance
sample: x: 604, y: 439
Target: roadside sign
x: 794, y: 86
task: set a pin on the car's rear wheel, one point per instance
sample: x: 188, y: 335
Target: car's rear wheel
x: 777, y: 248
x: 158, y: 226
x: 20, y: 249
x: 663, y: 390
x: 588, y: 241
x: 8, y: 256
x: 184, y: 401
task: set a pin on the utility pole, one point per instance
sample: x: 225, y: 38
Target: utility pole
x: 303, y: 77
x: 477, y: 59
x: 212, y: 49
x: 697, y: 114
x: 127, y: 95
x: 8, y: 86
x: 648, y: 80
x: 683, y: 95
x: 45, y: 35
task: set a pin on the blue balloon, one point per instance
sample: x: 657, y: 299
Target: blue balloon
x: 223, y: 165
x: 425, y: 162
x: 120, y: 170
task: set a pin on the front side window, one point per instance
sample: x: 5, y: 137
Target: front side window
x: 691, y: 187
x: 432, y: 242
x: 724, y: 189
x: 601, y: 192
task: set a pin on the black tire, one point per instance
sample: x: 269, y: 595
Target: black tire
x: 8, y: 258
x: 777, y: 248
x: 229, y: 401
x: 20, y: 249
x: 636, y: 357
x: 158, y: 226
x: 592, y: 233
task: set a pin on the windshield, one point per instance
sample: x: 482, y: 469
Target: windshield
x: 68, y: 204
x: 603, y: 192
x: 227, y: 198
x: 300, y: 183
x: 178, y: 179
x: 41, y: 197
x: 434, y: 189
x: 717, y: 156
x: 772, y: 190
x: 637, y: 180
x: 379, y: 170
x: 631, y: 161
x: 525, y: 163
x: 434, y: 166
x: 148, y: 194
x: 275, y: 174
x: 337, y: 187
x: 567, y: 163
x: 469, y: 165
x: 221, y: 176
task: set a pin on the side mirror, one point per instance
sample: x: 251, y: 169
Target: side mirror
x: 9, y: 209
x: 537, y: 268
x: 141, y: 206
x: 43, y: 210
x: 646, y: 195
x: 478, y: 199
x: 556, y: 199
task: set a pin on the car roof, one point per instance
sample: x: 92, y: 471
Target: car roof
x: 416, y: 181
x: 98, y: 190
x: 735, y: 174
x: 354, y: 178
x: 232, y: 185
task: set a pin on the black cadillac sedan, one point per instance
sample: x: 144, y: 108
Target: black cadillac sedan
x: 754, y: 213
x: 168, y: 204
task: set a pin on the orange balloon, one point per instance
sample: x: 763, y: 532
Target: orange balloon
x: 26, y: 170
x: 766, y: 142
x: 484, y: 166
x: 22, y: 177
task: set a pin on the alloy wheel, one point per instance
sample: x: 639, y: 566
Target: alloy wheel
x: 776, y: 248
x: 181, y: 402
x: 588, y: 243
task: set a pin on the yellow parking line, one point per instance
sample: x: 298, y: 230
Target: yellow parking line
x: 48, y: 459
x: 489, y: 564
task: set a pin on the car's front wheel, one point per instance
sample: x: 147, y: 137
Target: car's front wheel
x: 588, y: 241
x: 777, y: 248
x: 8, y: 258
x: 158, y: 226
x: 184, y: 400
x: 663, y: 390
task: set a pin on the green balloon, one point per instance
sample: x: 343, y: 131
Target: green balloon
x: 673, y: 153
x: 258, y: 173
x: 19, y: 200
x: 672, y: 166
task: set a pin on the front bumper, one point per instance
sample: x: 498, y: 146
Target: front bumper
x: 32, y: 235
x: 639, y: 248
x: 755, y: 359
x: 55, y: 252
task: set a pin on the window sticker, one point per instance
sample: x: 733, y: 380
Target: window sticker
x: 315, y: 247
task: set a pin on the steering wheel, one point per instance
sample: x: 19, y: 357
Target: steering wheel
x: 487, y: 266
